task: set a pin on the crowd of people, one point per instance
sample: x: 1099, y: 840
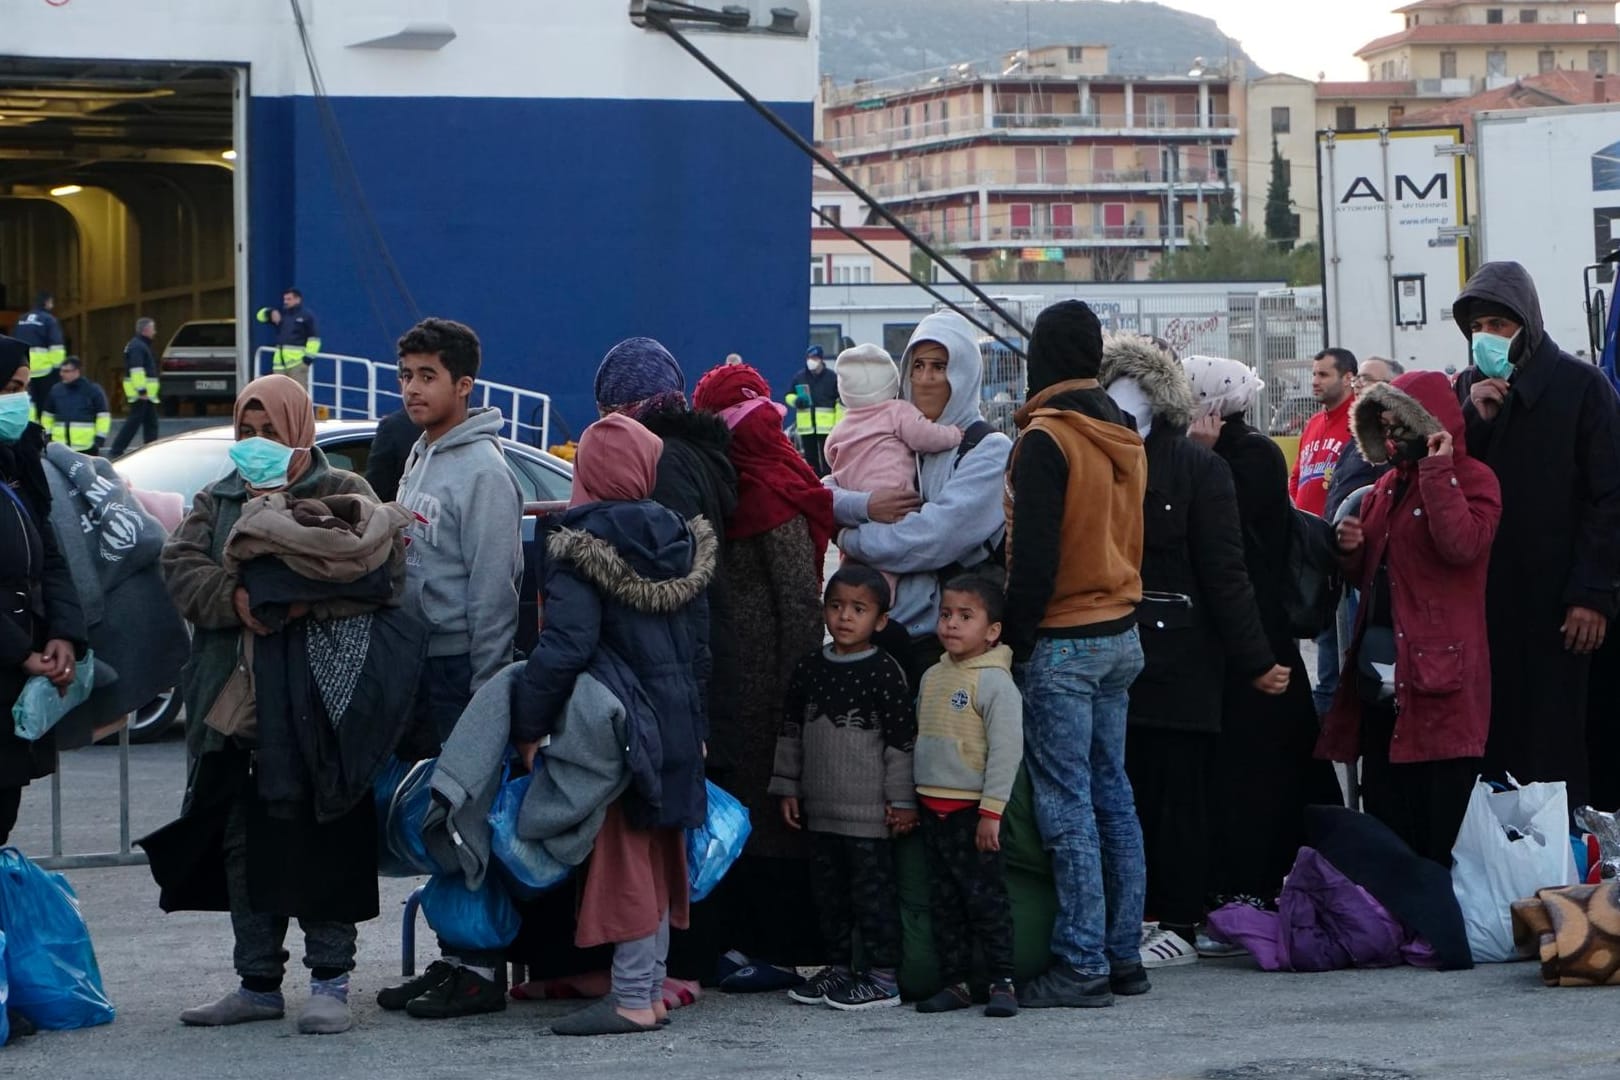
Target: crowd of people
x: 1090, y: 623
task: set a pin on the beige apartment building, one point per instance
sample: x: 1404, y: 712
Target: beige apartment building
x: 1489, y: 44
x: 1043, y: 166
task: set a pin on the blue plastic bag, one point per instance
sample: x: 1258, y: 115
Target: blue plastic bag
x: 526, y: 863
x: 5, y: 1025
x: 51, y: 972
x: 41, y: 705
x: 712, y: 849
x: 404, y: 793
x: 469, y: 919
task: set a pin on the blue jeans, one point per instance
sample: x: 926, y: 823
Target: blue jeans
x: 1327, y: 669
x: 1075, y: 700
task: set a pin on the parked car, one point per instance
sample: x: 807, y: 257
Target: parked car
x: 198, y: 365
x: 187, y: 463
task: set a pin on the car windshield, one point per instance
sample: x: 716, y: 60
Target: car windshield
x: 205, y: 335
x: 185, y: 466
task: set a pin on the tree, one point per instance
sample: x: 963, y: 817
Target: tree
x: 1223, y: 211
x: 1236, y: 253
x: 1282, y: 225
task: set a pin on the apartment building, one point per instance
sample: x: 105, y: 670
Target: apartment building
x: 838, y: 259
x: 1044, y: 166
x: 1478, y: 45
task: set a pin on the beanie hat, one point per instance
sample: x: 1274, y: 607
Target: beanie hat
x: 1484, y: 309
x: 867, y: 376
x: 1066, y: 344
x: 635, y: 370
x: 815, y: 352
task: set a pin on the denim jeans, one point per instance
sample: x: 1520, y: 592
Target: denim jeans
x: 1075, y: 699
x: 1327, y: 669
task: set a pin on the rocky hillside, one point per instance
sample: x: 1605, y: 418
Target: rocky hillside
x: 875, y: 38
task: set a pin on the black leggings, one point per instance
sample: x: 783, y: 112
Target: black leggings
x: 10, y: 802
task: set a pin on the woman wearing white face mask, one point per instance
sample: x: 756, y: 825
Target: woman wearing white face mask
x: 41, y: 625
x: 275, y: 451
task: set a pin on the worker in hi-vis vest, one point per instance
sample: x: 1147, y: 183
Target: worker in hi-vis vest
x: 814, y: 399
x: 40, y: 331
x: 76, y: 412
x: 141, y: 388
x: 297, y: 339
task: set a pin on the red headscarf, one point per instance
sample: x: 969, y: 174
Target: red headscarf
x: 774, y: 482
x: 617, y: 460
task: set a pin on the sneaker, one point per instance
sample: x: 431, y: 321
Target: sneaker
x: 1129, y: 982
x: 1003, y: 999
x: 863, y: 992
x: 395, y: 998
x: 814, y: 991
x: 465, y: 993
x: 950, y: 999
x: 760, y: 979
x: 1162, y: 948
x: 240, y: 1006
x: 1210, y: 949
x: 1062, y: 987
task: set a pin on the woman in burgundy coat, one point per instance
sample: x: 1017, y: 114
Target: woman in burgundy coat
x: 1415, y: 703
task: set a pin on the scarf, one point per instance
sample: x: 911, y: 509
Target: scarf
x: 290, y: 411
x: 617, y: 461
x: 774, y: 482
x: 1222, y: 387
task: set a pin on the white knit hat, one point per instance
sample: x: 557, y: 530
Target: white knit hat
x: 867, y: 376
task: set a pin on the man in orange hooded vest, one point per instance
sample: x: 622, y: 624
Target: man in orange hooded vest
x: 1074, y: 531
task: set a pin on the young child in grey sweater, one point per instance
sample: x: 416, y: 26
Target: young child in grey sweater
x: 843, y: 772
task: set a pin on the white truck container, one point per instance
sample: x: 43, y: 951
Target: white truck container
x: 1393, y: 258
x: 1549, y: 198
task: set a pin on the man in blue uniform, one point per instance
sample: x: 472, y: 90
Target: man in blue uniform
x: 140, y: 388
x: 40, y: 331
x: 76, y: 412
x: 297, y: 339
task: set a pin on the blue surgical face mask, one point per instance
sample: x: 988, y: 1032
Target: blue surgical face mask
x: 1491, y: 355
x: 14, y: 415
x: 263, y: 463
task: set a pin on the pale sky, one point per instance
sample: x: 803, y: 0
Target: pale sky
x: 1302, y: 37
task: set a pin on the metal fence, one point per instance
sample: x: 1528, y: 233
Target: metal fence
x: 1277, y: 334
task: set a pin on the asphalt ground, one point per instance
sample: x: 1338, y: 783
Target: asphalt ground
x: 1221, y: 1020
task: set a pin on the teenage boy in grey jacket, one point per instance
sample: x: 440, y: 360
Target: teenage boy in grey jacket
x: 464, y: 559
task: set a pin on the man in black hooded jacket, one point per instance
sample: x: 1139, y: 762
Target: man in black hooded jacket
x: 1549, y: 425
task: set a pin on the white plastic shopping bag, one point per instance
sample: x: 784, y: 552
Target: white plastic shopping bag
x: 1511, y: 843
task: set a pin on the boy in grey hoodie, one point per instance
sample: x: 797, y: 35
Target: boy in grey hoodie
x: 464, y: 559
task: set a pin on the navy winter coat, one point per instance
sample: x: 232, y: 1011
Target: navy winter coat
x: 625, y: 588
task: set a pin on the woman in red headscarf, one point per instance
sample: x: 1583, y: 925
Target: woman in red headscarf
x: 776, y: 541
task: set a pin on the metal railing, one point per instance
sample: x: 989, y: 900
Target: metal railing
x: 1042, y: 177
x: 1141, y: 124
x: 357, y: 388
x: 1001, y: 232
x: 125, y: 855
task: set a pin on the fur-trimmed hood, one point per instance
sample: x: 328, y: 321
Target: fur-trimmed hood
x: 1420, y: 404
x: 638, y: 554
x: 1157, y: 372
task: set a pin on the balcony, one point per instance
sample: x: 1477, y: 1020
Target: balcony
x: 1052, y: 181
x: 1034, y: 127
x: 1002, y: 234
x: 1445, y: 88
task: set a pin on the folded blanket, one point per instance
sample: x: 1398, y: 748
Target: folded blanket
x: 1575, y: 930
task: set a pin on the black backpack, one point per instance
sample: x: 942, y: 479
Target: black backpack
x: 1311, y: 596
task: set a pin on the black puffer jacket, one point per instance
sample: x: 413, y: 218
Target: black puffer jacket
x: 40, y: 601
x: 696, y: 479
x: 1193, y: 548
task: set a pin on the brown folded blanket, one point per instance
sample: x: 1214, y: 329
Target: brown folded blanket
x: 1575, y: 929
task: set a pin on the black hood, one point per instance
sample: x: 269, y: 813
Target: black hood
x: 1507, y: 284
x: 705, y: 431
x: 1066, y: 344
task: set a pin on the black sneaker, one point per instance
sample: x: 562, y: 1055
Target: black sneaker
x: 950, y: 999
x: 1129, y: 982
x: 1003, y: 999
x: 863, y: 992
x: 21, y: 1027
x: 465, y: 993
x: 395, y: 998
x: 814, y: 991
x: 1062, y: 987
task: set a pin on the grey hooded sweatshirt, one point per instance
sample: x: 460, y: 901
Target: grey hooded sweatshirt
x: 465, y: 550
x: 962, y: 517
